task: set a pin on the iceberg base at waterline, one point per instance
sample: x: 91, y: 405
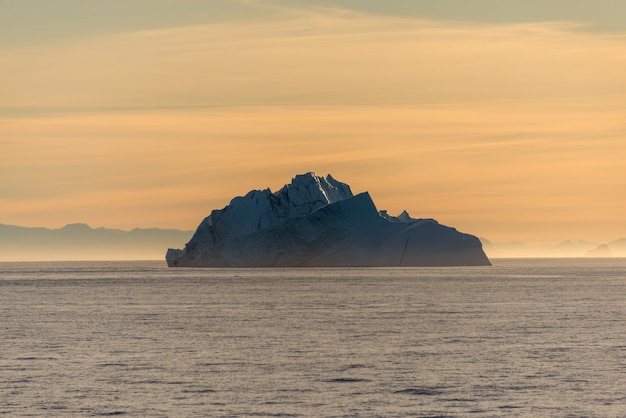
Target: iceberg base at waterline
x: 318, y: 222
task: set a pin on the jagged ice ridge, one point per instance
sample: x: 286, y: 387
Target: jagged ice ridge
x: 318, y: 222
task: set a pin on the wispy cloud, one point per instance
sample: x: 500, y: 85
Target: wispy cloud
x: 316, y: 57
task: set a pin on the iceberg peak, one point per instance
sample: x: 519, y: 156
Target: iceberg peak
x: 309, y: 188
x: 404, y: 216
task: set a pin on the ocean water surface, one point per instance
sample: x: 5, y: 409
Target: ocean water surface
x: 524, y: 338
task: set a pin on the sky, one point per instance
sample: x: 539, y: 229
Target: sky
x: 504, y: 119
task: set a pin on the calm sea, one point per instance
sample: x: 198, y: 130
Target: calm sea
x: 528, y: 338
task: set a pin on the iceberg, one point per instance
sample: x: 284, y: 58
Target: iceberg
x: 318, y: 222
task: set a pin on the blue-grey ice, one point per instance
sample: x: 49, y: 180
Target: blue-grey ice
x: 318, y: 222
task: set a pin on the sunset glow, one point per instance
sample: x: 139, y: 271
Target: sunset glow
x: 506, y: 130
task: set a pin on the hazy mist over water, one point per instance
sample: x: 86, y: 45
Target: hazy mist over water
x: 522, y: 338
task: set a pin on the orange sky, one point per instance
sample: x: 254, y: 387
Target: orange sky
x: 509, y: 131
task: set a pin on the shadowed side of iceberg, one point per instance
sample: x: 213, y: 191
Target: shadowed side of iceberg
x: 291, y: 243
x: 260, y: 210
x: 374, y: 241
x: 348, y: 232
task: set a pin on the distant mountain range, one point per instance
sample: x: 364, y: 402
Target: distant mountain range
x: 81, y: 242
x: 517, y: 249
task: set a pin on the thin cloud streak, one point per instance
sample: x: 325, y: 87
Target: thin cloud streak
x: 467, y: 169
x: 317, y: 59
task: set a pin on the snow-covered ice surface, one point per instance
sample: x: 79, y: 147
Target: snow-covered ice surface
x: 524, y: 338
x: 316, y: 221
